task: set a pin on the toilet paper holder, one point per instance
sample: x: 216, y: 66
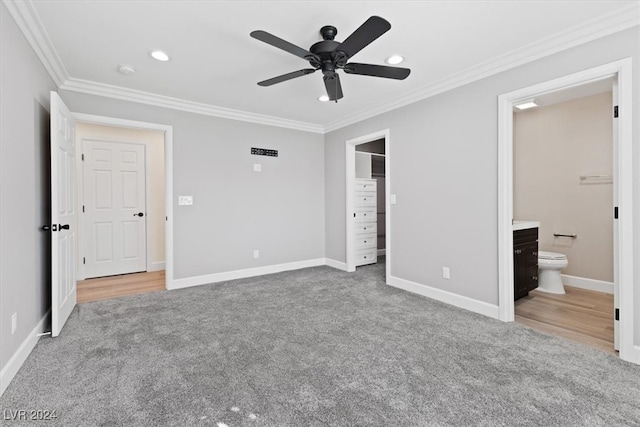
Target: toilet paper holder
x: 573, y: 236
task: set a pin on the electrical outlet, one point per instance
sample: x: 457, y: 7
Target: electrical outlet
x: 14, y: 323
x: 257, y: 167
x: 256, y: 254
x: 446, y: 273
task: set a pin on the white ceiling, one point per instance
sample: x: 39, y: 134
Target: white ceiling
x: 214, y: 60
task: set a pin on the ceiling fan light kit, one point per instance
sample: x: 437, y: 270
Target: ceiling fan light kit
x: 329, y: 56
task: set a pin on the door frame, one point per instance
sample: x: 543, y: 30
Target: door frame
x: 350, y: 161
x: 624, y: 177
x: 168, y: 180
x: 80, y: 181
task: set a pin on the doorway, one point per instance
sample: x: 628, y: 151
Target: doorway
x: 383, y: 139
x: 122, y: 197
x: 563, y: 183
x: 623, y: 179
x: 150, y: 191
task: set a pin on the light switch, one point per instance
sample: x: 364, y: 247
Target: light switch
x: 185, y: 200
x: 392, y: 199
x: 257, y: 167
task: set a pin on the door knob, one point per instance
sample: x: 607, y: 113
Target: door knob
x: 63, y: 227
x: 45, y: 228
x: 138, y: 214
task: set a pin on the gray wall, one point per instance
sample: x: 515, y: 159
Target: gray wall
x: 444, y: 170
x: 279, y: 211
x: 24, y: 187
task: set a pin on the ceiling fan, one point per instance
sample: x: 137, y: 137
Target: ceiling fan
x: 329, y: 56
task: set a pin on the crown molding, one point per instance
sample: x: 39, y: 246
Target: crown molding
x: 117, y: 92
x: 27, y: 19
x: 616, y: 21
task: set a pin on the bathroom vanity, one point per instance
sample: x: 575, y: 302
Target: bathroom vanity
x: 525, y: 257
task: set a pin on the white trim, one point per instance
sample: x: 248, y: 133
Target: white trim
x: 14, y: 364
x: 335, y: 264
x: 629, y: 317
x: 155, y: 266
x: 168, y: 175
x: 242, y: 274
x: 588, y: 284
x: 350, y: 177
x: 132, y: 95
x: 616, y: 21
x: 27, y: 19
x: 466, y: 303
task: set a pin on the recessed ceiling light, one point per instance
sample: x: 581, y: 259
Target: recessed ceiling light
x: 531, y: 103
x: 323, y: 98
x: 127, y: 70
x: 394, y: 60
x: 159, y: 55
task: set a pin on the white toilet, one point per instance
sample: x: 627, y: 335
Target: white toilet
x: 550, y: 265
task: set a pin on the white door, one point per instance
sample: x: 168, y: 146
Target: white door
x: 114, y: 208
x: 616, y: 241
x: 63, y: 215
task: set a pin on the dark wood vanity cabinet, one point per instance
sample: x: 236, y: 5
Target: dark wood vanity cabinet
x: 525, y: 261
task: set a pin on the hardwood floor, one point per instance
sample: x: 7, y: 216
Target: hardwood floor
x: 580, y: 315
x: 118, y: 286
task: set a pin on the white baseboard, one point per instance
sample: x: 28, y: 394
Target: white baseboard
x: 589, y: 284
x: 382, y: 252
x: 241, y: 274
x: 466, y: 303
x: 632, y: 356
x: 335, y: 264
x: 17, y: 360
x: 156, y: 266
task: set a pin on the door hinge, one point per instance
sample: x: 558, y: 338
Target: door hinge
x: 615, y: 111
x: 84, y: 260
x: 83, y: 157
x: 617, y: 315
x: 82, y: 208
x: 615, y: 212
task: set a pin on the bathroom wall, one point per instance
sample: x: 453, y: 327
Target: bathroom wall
x: 553, y: 146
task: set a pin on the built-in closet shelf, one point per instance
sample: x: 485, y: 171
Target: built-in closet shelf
x: 365, y: 218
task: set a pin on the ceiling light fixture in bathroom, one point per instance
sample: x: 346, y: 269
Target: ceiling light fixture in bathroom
x: 531, y: 103
x: 323, y: 98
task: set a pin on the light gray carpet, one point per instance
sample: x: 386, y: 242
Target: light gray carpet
x: 314, y: 347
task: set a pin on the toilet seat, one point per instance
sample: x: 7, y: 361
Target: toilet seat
x: 554, y: 256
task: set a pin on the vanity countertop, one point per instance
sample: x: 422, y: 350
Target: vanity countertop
x: 523, y: 225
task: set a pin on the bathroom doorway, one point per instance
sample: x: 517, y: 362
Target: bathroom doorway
x: 563, y: 181
x: 622, y: 177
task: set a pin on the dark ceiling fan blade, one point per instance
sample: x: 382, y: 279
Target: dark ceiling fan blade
x: 334, y: 88
x: 268, y: 38
x: 377, y: 70
x: 372, y: 28
x: 286, y: 77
